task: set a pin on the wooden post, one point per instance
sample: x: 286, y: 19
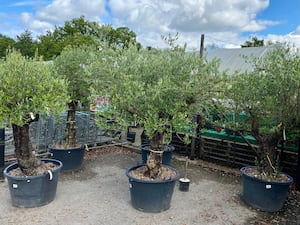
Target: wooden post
x: 193, y: 148
x: 196, y: 137
x: 202, y: 45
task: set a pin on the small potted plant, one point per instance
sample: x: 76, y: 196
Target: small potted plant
x: 270, y: 96
x: 156, y: 89
x: 29, y: 88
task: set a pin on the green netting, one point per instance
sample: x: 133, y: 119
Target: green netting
x: 224, y: 136
x: 238, y: 139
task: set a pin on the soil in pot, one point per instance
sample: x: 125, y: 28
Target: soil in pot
x: 41, y: 169
x: 253, y: 172
x: 165, y: 174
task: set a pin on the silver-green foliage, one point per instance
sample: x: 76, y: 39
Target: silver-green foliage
x: 271, y: 91
x: 158, y: 89
x: 28, y: 87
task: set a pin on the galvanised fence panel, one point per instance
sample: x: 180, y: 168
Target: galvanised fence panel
x: 49, y: 130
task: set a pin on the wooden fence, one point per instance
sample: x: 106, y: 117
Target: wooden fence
x: 229, y: 152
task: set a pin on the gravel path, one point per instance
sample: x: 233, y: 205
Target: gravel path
x: 99, y: 194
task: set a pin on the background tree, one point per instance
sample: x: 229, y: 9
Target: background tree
x: 78, y: 32
x: 254, y: 42
x: 25, y: 44
x: 48, y: 47
x: 5, y: 44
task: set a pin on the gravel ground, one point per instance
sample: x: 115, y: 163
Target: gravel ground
x: 99, y: 194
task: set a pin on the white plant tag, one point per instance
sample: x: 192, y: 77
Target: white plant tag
x: 15, y: 186
x: 268, y: 186
x: 32, y: 115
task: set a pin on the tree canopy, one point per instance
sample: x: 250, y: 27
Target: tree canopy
x: 270, y: 94
x: 5, y: 44
x: 158, y: 89
x: 28, y: 87
x: 73, y: 33
x: 254, y: 42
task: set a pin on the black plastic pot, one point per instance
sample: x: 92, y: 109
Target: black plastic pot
x: 71, y: 158
x: 33, y: 191
x: 151, y: 195
x: 166, y: 158
x: 184, y: 184
x: 264, y: 195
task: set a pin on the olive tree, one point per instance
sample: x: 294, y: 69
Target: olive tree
x: 158, y: 90
x: 270, y: 94
x: 70, y: 65
x: 28, y: 88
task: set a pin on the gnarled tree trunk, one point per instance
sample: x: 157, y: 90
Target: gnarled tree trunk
x: 267, y: 156
x: 71, y: 125
x: 154, y: 160
x: 27, y: 161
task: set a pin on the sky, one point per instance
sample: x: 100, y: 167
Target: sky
x: 224, y: 23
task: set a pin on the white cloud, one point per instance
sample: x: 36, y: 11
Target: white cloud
x: 58, y: 11
x: 189, y: 17
x: 298, y: 30
x: 61, y: 10
x: 144, y: 15
x: 222, y: 22
x: 291, y: 38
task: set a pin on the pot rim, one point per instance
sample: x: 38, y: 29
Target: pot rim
x: 242, y: 170
x: 15, y: 165
x: 131, y: 178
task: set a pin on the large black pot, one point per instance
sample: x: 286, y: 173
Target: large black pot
x: 166, y: 157
x: 71, y: 158
x: 33, y: 191
x: 151, y: 195
x: 267, y: 196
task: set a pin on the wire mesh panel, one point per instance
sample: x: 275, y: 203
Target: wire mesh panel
x: 49, y: 130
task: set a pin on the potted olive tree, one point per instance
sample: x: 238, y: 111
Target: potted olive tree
x: 29, y: 88
x: 157, y: 90
x: 270, y: 96
x: 70, y: 65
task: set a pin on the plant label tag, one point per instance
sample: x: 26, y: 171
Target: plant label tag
x: 268, y: 186
x: 130, y: 185
x: 15, y: 186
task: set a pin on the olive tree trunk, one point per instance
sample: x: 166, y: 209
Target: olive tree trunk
x: 154, y: 160
x: 267, y: 157
x: 71, y: 125
x: 27, y: 161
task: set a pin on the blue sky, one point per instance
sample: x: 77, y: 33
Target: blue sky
x: 287, y: 15
x: 225, y: 23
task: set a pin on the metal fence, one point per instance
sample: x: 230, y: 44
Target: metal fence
x: 49, y: 130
